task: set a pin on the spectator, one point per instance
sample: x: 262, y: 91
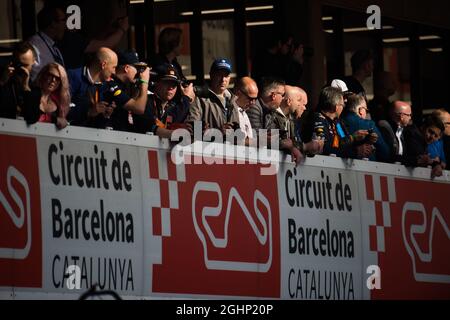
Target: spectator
x: 445, y: 118
x: 170, y: 44
x: 267, y: 62
x: 282, y: 120
x: 18, y: 87
x: 129, y: 103
x: 87, y: 86
x: 95, y: 96
x: 355, y: 120
x: 433, y: 130
x: 53, y: 43
x: 246, y: 95
x: 271, y: 95
x: 328, y: 127
x: 300, y: 101
x: 51, y: 25
x: 164, y: 113
x: 293, y: 70
x: 54, y: 101
x: 385, y: 87
x: 411, y: 149
x: 215, y: 110
x: 362, y: 66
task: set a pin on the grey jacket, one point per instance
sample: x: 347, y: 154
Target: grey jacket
x: 211, y: 110
x: 257, y: 115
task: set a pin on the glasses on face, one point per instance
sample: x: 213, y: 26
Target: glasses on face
x: 250, y: 99
x: 282, y: 94
x: 51, y: 77
x: 404, y: 114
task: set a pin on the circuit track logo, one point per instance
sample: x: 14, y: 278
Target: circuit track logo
x: 20, y: 214
x: 219, y: 230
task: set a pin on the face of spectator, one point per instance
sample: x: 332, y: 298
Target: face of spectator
x: 340, y: 107
x: 368, y: 68
x: 166, y: 90
x: 303, y: 104
x: 52, y: 80
x: 402, y: 115
x: 447, y: 124
x: 109, y: 68
x: 297, y: 107
x: 131, y: 73
x: 246, y: 98
x: 59, y: 25
x: 220, y: 80
x: 277, y: 97
x: 27, y: 60
x: 432, y: 134
x: 363, y: 110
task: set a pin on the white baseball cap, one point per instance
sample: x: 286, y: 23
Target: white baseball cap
x: 339, y: 84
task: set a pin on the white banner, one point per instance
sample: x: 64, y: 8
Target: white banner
x: 83, y: 207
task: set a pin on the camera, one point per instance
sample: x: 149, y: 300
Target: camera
x: 140, y: 66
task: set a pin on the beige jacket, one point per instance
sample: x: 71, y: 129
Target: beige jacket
x: 210, y: 110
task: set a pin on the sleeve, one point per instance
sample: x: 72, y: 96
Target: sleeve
x: 415, y: 147
x: 116, y: 94
x: 383, y: 152
x: 31, y: 111
x: 255, y: 115
x: 441, y: 152
x: 195, y: 111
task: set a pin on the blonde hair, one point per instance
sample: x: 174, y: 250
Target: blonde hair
x: 63, y: 93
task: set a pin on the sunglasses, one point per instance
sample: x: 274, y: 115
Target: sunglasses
x: 250, y: 99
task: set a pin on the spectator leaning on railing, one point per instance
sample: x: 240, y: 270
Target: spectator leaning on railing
x: 53, y: 103
x: 271, y: 93
x: 215, y: 110
x: 355, y: 120
x: 328, y: 127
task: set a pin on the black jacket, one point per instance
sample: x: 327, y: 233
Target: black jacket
x: 414, y: 145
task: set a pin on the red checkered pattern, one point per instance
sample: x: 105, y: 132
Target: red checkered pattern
x: 380, y: 191
x: 168, y: 176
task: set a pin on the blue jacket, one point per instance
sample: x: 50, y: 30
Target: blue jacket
x: 355, y: 123
x: 82, y: 91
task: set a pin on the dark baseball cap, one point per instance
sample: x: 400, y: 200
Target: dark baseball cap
x: 166, y: 72
x: 221, y: 64
x: 128, y: 58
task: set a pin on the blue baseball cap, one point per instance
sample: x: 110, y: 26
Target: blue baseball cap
x: 221, y: 64
x: 128, y: 58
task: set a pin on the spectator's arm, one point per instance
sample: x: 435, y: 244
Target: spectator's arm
x: 195, y: 111
x: 32, y: 101
x: 138, y: 105
x: 383, y: 152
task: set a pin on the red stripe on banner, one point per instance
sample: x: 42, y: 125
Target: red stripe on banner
x: 384, y: 189
x: 369, y: 188
x: 379, y: 213
x: 373, y: 238
x: 171, y: 168
x: 153, y: 164
x: 164, y: 192
x: 157, y: 222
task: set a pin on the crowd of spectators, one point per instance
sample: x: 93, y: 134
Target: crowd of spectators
x: 117, y: 91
